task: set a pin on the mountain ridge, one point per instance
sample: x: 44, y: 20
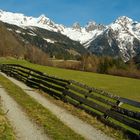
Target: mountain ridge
x: 121, y: 38
x: 44, y: 22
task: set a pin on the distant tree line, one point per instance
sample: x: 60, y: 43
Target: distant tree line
x: 109, y: 65
x: 103, y: 65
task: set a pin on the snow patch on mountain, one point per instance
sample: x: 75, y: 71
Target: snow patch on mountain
x: 49, y: 40
x: 83, y: 34
x: 17, y: 31
x: 9, y: 29
x: 32, y: 34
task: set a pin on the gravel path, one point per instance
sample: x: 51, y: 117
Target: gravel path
x: 24, y: 128
x: 84, y: 129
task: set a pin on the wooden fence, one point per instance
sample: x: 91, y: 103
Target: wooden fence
x: 115, y: 111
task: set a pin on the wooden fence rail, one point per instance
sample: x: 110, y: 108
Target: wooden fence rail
x: 115, y: 111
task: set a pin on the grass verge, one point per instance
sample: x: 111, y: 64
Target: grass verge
x: 53, y: 127
x: 6, y: 131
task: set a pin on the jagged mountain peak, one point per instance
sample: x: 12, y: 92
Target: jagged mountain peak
x: 92, y: 22
x: 125, y: 25
x: 42, y: 19
x: 92, y: 25
x: 42, y: 16
x: 123, y: 19
x: 120, y: 39
x: 76, y: 26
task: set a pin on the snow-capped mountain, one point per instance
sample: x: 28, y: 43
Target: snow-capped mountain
x: 52, y: 43
x: 76, y: 32
x: 82, y: 34
x: 120, y: 39
x: 43, y: 33
x: 25, y: 21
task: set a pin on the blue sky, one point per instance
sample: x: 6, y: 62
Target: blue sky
x: 69, y: 11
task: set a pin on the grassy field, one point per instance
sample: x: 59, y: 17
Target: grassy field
x: 43, y: 117
x: 124, y: 87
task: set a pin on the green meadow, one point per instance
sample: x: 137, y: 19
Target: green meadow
x: 122, y: 86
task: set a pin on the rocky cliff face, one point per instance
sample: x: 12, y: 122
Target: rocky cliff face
x: 119, y: 39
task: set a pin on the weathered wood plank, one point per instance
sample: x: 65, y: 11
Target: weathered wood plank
x: 129, y: 133
x: 80, y: 85
x: 23, y: 71
x: 86, y: 101
x: 19, y: 73
x: 83, y: 92
x: 123, y: 119
x: 51, y: 92
x: 49, y: 85
x: 89, y: 111
x: 91, y: 95
x: 94, y: 90
x: 48, y: 79
x: 16, y: 65
x: 130, y: 102
x: 104, y: 93
x: 135, y: 115
x: 38, y: 72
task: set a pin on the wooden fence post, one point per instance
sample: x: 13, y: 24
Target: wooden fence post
x: 64, y: 92
x: 28, y: 76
